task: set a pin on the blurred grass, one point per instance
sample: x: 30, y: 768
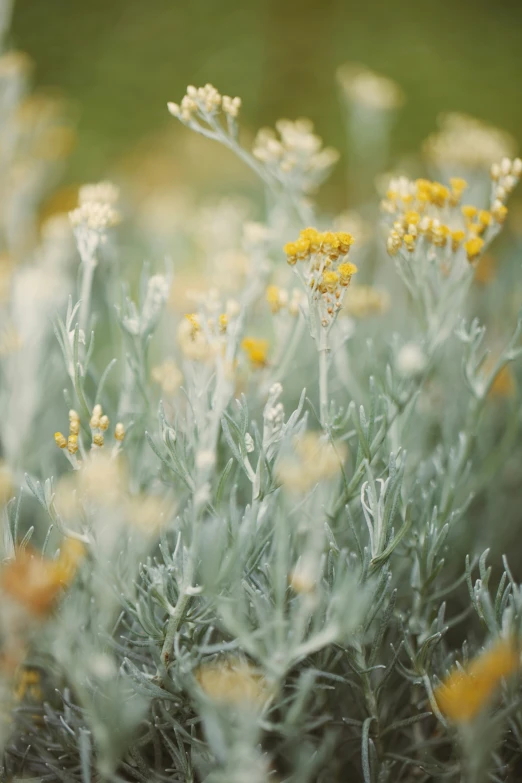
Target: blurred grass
x: 121, y: 60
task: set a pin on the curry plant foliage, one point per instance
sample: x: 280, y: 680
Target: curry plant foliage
x: 259, y: 537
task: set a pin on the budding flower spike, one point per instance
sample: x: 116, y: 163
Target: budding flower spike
x: 98, y: 424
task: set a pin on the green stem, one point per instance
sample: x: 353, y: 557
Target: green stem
x: 88, y: 267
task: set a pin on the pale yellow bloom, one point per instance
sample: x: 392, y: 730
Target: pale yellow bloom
x: 362, y: 301
x: 466, y: 141
x: 168, y: 376
x: 233, y: 682
x: 362, y: 86
x: 315, y: 459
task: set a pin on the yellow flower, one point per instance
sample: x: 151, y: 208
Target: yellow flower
x: 329, y: 282
x: 329, y: 243
x: 463, y: 694
x: 346, y: 271
x: 256, y: 350
x: 469, y: 211
x: 456, y: 238
x: 193, y: 320
x: 274, y: 299
x: 473, y: 247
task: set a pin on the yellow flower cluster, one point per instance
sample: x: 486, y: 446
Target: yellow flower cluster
x: 35, y: 582
x: 279, y: 300
x: 200, y: 340
x: 315, y: 459
x: 256, y: 350
x: 325, y: 271
x: 98, y: 423
x: 70, y: 443
x: 428, y: 212
x: 464, y: 692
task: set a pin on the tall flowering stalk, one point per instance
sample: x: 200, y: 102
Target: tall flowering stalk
x: 326, y: 274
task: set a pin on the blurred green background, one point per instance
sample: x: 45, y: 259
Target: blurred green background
x: 119, y: 61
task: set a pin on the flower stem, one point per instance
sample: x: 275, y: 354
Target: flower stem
x: 88, y: 267
x: 324, y: 351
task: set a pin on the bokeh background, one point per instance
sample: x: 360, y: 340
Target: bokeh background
x: 119, y: 61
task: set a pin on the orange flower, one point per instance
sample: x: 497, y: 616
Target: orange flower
x: 36, y: 582
x: 463, y: 694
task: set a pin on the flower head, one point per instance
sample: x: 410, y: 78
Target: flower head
x: 323, y: 267
x: 36, y: 582
x: 234, y: 683
x: 295, y: 153
x: 256, y: 349
x: 361, y: 86
x: 427, y: 215
x: 464, y: 692
x: 466, y: 141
